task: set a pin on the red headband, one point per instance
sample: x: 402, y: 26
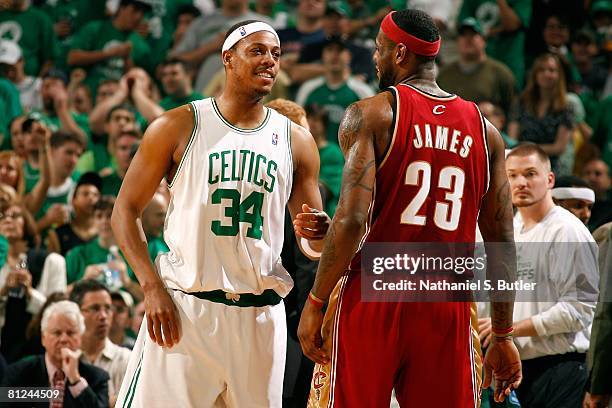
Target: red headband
x: 399, y: 36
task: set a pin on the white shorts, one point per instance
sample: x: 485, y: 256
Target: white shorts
x: 228, y: 356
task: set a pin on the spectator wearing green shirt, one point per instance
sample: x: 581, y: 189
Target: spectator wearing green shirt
x: 56, y: 111
x: 153, y: 219
x: 37, y: 164
x: 135, y: 88
x: 66, y: 148
x: 82, y: 227
x: 33, y: 31
x: 10, y: 106
x: 122, y: 149
x: 120, y: 118
x: 88, y: 261
x: 108, y: 48
x: 176, y: 82
x: 336, y: 89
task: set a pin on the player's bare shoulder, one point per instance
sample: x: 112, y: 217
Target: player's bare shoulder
x: 371, y: 117
x: 303, y: 146
x: 172, y: 130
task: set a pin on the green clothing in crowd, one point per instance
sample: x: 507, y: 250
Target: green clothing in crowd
x: 10, y: 108
x: 54, y: 123
x: 33, y: 31
x: 101, y: 35
x: 334, y: 100
x: 170, y: 103
x: 111, y: 184
x: 156, y: 246
x: 76, y: 13
x: 332, y: 162
x: 162, y: 23
x: 602, y: 136
x: 4, y: 246
x: 507, y: 47
x: 81, y: 256
x: 96, y: 158
x: 59, y: 195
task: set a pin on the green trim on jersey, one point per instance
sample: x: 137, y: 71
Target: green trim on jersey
x: 196, y: 123
x: 129, y: 396
x: 289, y: 147
x: 235, y: 128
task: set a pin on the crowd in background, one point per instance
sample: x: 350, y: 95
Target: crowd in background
x: 80, y: 80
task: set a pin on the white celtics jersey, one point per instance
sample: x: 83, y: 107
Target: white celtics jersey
x: 225, y: 221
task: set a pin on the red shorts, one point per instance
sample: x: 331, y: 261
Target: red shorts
x: 428, y: 352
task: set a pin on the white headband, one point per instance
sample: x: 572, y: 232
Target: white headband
x: 579, y: 193
x: 246, y: 30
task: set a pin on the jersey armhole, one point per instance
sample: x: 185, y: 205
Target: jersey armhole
x: 196, y: 124
x: 395, y: 107
x: 485, y: 140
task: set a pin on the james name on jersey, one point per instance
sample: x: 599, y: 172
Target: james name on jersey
x: 424, y: 136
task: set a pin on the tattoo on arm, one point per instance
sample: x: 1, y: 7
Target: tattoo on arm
x: 504, y: 202
x: 355, y: 173
x: 349, y: 128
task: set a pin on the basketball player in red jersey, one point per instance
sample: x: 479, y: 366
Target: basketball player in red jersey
x: 422, y: 165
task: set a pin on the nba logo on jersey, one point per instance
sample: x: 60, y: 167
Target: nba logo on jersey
x: 242, y: 31
x: 274, y: 139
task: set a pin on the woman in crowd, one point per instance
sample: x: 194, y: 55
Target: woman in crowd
x: 12, y: 174
x: 29, y: 275
x: 544, y: 116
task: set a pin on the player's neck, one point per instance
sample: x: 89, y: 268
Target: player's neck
x: 535, y: 213
x: 241, y: 111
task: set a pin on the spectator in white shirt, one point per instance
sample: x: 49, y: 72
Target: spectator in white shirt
x: 552, y: 324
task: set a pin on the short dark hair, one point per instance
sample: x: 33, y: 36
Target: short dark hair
x: 571, y: 181
x: 106, y: 202
x: 121, y: 106
x: 174, y: 61
x: 188, y: 9
x: 91, y: 178
x: 419, y: 24
x: 85, y: 286
x: 106, y: 82
x: 527, y: 149
x: 61, y: 137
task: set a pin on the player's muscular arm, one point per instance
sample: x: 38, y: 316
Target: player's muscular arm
x: 356, y: 137
x: 502, y: 362
x: 305, y: 200
x: 495, y: 224
x: 161, y: 149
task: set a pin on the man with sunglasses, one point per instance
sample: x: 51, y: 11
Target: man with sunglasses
x: 94, y: 300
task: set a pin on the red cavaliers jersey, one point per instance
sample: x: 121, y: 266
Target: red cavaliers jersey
x: 430, y: 184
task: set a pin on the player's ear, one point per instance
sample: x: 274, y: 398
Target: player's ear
x: 226, y: 57
x: 400, y: 53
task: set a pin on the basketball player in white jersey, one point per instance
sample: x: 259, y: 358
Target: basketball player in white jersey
x: 214, y: 333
